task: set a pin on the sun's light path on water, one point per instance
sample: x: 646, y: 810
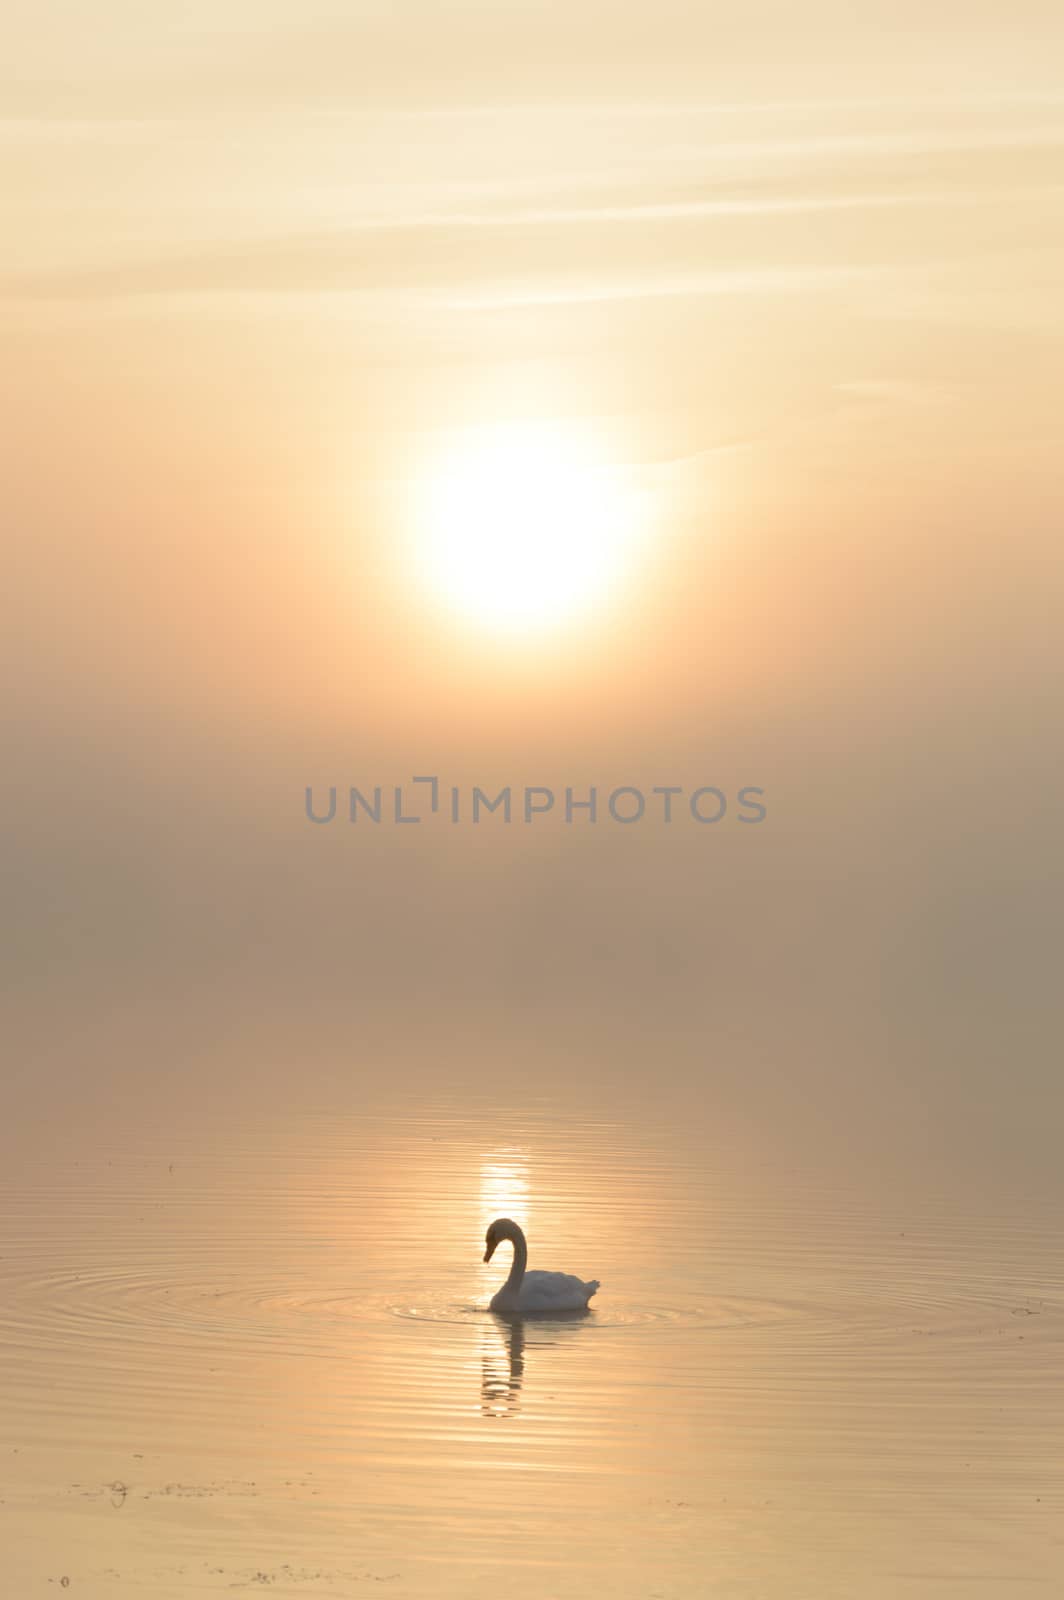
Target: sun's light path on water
x: 504, y: 1187
x: 520, y: 527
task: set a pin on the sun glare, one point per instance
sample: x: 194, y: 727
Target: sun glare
x: 520, y: 527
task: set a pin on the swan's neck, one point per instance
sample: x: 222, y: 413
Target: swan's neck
x: 520, y: 1260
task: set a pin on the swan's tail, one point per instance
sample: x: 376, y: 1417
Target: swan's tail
x: 591, y: 1287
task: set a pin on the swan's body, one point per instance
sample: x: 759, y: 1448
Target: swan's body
x: 533, y: 1293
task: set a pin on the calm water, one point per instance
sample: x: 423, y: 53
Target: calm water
x: 258, y: 1359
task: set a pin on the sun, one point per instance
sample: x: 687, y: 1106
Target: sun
x: 520, y: 527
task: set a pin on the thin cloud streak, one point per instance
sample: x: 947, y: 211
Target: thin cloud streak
x: 299, y: 263
x: 759, y: 280
x: 665, y: 211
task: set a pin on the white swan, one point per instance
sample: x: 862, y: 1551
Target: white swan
x: 533, y: 1293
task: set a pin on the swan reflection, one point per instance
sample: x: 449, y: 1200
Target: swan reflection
x: 502, y: 1369
x: 502, y: 1363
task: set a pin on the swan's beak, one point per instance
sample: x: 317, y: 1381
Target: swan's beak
x: 489, y: 1252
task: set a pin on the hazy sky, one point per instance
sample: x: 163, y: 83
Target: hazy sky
x: 800, y: 270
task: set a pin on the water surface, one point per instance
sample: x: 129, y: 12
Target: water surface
x: 260, y: 1359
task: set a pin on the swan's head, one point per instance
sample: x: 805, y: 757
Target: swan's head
x: 501, y: 1228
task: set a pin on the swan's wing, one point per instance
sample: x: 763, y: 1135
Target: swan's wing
x: 559, y: 1289
x: 551, y: 1282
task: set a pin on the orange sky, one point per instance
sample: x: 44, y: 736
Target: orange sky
x: 800, y: 273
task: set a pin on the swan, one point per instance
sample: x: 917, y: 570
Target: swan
x: 533, y: 1293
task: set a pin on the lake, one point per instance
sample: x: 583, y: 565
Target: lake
x: 258, y: 1358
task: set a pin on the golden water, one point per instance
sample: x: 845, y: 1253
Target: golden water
x: 257, y: 1359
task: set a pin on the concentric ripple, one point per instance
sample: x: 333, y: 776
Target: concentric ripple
x: 606, y: 1314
